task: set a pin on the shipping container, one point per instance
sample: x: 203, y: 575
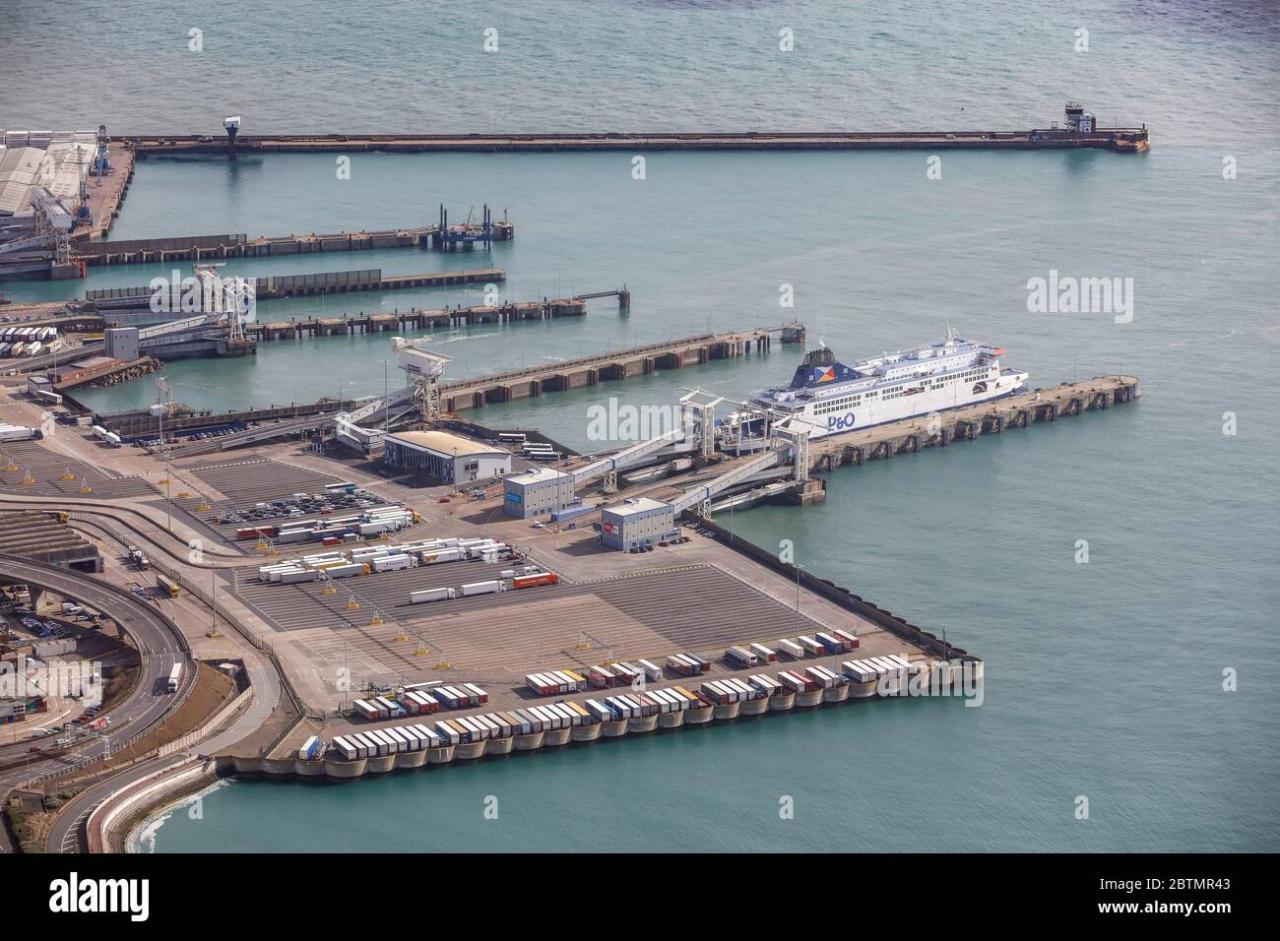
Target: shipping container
x: 790, y: 648
x: 432, y: 594
x: 793, y: 681
x: 662, y: 698
x: 684, y: 664
x: 533, y: 581
x: 482, y: 588
x: 309, y: 748
x: 765, y: 654
x: 474, y: 732
x: 345, y: 749
x: 430, y: 737
x: 690, y: 698
x: 764, y: 683
x: 848, y: 638
x: 652, y: 671
x: 600, y: 677
x: 554, y: 720
x: 392, y: 563
x: 478, y: 695
x: 367, y: 710
x: 531, y: 722
x: 600, y: 712
x: 742, y: 657
x: 811, y: 646
x: 432, y: 556
x: 823, y: 677
x: 398, y: 742
x: 859, y: 671
x: 346, y: 571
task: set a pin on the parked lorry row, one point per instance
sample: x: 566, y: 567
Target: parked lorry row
x: 420, y: 701
x: 819, y: 645
x: 556, y: 682
x: 730, y: 690
x: 467, y: 729
x: 687, y: 664
x: 874, y: 668
x: 561, y: 715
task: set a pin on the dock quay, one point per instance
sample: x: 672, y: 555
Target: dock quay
x: 745, y: 590
x: 417, y: 319
x: 227, y: 246
x: 966, y: 424
x: 108, y: 373
x: 1121, y: 140
x: 277, y: 287
x: 618, y: 364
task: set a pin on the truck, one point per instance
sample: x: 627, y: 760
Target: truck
x: 392, y: 563
x: 19, y: 433
x: 790, y: 648
x: 483, y: 588
x: 432, y: 594
x: 167, y: 586
x: 175, y: 677
x: 533, y: 581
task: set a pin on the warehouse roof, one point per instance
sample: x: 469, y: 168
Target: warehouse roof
x: 636, y: 505
x: 444, y: 444
x: 538, y: 475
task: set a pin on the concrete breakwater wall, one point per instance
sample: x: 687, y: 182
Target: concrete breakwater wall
x: 108, y: 827
x: 1133, y: 139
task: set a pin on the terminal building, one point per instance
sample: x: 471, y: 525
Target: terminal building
x: 445, y: 457
x: 545, y: 490
x: 641, y: 521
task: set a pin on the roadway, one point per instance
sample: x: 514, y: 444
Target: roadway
x: 159, y: 642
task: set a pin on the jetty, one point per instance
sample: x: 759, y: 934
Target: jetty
x: 1120, y: 140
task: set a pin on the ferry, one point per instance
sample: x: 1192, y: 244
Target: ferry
x: 827, y: 397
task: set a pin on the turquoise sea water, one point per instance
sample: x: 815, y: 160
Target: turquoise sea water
x: 1103, y: 680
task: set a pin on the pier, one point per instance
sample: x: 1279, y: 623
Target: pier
x: 966, y: 424
x: 239, y: 245
x: 318, y: 284
x: 109, y: 373
x: 1121, y: 140
x: 618, y: 364
x: 418, y: 319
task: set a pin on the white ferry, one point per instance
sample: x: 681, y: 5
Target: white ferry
x: 828, y: 397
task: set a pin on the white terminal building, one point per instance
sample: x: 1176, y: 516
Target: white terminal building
x: 545, y: 490
x: 640, y: 521
x: 445, y: 457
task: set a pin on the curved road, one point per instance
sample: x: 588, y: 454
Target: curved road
x: 159, y: 642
